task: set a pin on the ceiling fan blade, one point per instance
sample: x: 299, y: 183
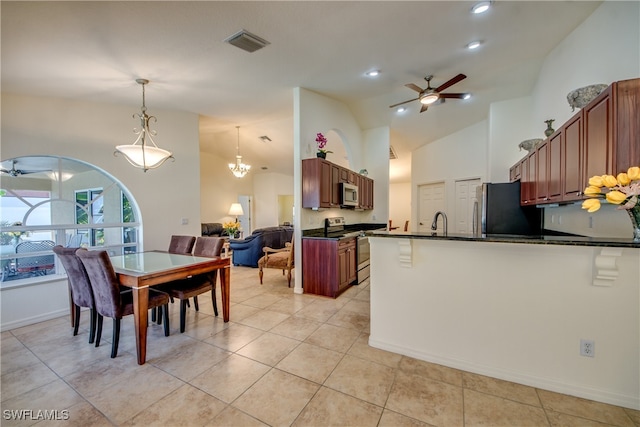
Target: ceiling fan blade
x: 414, y: 87
x: 27, y: 172
x: 453, y: 95
x: 395, y: 105
x: 5, y: 171
x: 451, y: 82
x: 424, y: 108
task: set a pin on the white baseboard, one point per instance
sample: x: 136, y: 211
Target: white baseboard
x: 578, y: 390
x: 34, y: 319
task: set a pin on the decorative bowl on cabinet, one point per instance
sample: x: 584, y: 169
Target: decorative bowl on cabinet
x: 530, y: 144
x: 578, y: 98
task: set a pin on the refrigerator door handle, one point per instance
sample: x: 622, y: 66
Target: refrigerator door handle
x: 474, y: 222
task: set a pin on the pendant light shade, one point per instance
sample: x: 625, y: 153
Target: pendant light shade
x: 238, y: 168
x: 144, y: 153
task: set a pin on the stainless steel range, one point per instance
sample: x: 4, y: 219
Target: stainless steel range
x: 363, y: 255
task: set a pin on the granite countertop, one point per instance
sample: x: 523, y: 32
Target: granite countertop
x: 349, y: 231
x: 566, y: 240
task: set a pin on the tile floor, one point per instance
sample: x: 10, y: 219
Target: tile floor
x: 284, y: 359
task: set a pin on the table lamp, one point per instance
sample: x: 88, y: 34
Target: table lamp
x: 235, y: 210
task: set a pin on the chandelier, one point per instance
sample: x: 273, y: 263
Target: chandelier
x: 238, y: 168
x: 144, y: 153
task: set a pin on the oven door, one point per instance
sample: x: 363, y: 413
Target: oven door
x: 363, y: 256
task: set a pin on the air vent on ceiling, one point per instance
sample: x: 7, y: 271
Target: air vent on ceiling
x: 247, y: 41
x: 392, y: 153
x: 265, y: 138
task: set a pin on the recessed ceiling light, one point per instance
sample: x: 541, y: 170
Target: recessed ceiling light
x: 474, y: 44
x: 466, y: 96
x: 481, y: 7
x: 372, y: 73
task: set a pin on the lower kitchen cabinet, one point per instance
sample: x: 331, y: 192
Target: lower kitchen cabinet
x: 329, y: 266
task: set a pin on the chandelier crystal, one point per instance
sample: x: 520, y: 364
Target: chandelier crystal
x: 238, y: 168
x: 144, y: 153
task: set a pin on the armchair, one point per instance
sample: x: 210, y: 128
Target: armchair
x: 278, y: 258
x: 248, y: 251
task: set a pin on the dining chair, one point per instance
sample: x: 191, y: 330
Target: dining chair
x: 110, y: 301
x: 278, y: 258
x: 79, y: 288
x: 196, y: 285
x: 181, y: 244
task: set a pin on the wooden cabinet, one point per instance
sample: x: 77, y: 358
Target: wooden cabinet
x: 328, y: 266
x: 515, y: 172
x: 321, y: 181
x: 572, y: 178
x: 602, y: 138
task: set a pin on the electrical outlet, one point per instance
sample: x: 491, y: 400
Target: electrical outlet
x: 184, y: 221
x: 587, y: 348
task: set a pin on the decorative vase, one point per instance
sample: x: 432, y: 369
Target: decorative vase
x: 549, y: 130
x: 634, y: 214
x: 321, y: 154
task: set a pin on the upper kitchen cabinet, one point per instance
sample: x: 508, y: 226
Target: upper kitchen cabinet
x: 321, y: 181
x: 602, y: 138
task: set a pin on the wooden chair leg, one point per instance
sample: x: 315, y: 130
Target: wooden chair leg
x: 213, y: 300
x: 99, y: 331
x: 153, y: 314
x: 260, y: 273
x: 195, y: 303
x: 116, y: 338
x: 183, y: 314
x: 165, y: 313
x: 76, y: 319
x: 289, y: 278
x: 92, y: 325
x: 283, y: 272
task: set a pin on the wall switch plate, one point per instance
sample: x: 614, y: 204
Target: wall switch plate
x: 185, y: 221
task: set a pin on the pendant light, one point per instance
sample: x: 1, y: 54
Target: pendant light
x: 238, y: 168
x: 144, y: 153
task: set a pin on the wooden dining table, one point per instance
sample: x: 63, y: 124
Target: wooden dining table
x: 141, y: 270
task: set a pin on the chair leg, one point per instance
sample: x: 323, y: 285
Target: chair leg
x: 195, y: 303
x: 213, y: 299
x: 153, y: 314
x: 260, y: 273
x: 99, y: 331
x: 165, y: 313
x: 76, y: 320
x: 183, y: 314
x: 116, y: 338
x: 283, y: 272
x: 92, y: 325
x: 288, y: 278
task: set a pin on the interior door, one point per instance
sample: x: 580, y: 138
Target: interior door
x: 465, y: 199
x: 430, y: 201
x: 245, y: 219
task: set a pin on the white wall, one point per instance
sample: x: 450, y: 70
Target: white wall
x: 267, y: 187
x: 400, y: 204
x: 462, y: 155
x: 219, y: 188
x: 89, y: 132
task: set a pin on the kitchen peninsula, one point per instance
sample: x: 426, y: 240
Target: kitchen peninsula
x: 514, y: 308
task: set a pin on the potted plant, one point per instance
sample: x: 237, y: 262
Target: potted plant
x: 322, y: 142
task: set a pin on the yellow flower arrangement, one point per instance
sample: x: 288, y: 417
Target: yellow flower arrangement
x: 231, y: 228
x: 623, y: 190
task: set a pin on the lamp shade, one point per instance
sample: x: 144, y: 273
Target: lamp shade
x: 236, y: 209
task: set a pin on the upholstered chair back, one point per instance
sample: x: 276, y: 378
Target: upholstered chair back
x: 208, y: 246
x: 181, y: 244
x: 104, y: 282
x: 78, y: 280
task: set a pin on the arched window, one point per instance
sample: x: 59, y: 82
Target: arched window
x: 47, y: 201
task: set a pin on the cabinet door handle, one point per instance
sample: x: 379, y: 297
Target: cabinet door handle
x: 579, y: 193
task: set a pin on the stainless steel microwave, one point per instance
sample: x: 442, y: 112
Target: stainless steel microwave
x: 349, y: 194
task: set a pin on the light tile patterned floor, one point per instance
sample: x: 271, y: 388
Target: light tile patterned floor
x: 284, y: 359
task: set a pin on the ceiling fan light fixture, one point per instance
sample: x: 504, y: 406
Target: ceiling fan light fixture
x: 481, y: 7
x: 466, y: 96
x: 373, y: 73
x: 429, y: 98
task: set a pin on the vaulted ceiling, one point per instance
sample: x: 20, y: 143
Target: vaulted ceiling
x: 95, y: 50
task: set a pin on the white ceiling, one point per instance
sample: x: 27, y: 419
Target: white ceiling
x: 95, y: 50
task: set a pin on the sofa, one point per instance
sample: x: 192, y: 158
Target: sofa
x: 212, y: 229
x: 248, y: 251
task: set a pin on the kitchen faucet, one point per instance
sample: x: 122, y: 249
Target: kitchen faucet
x: 434, y: 225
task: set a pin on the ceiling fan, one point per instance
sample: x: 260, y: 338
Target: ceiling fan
x: 429, y: 95
x: 17, y: 172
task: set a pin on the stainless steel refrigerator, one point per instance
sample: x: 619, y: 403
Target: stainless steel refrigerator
x: 497, y: 210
